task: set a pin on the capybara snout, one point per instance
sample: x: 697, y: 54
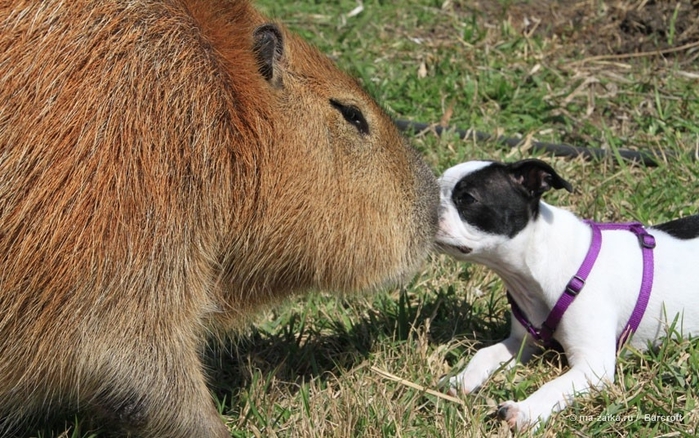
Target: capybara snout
x: 167, y: 167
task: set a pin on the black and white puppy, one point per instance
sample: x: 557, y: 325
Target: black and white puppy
x: 492, y: 214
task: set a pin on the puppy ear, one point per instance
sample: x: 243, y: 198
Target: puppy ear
x: 268, y: 46
x: 537, y: 177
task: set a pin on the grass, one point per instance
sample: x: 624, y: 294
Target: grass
x: 365, y: 365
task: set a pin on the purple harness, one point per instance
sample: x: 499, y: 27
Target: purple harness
x: 544, y: 335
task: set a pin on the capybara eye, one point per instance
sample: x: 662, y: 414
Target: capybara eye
x: 353, y: 115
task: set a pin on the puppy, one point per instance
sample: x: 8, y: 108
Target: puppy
x: 587, y: 286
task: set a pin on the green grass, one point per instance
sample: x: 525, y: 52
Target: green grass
x: 362, y: 366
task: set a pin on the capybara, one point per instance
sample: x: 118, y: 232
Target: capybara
x: 166, y: 167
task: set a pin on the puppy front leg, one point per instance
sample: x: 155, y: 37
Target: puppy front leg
x: 590, y: 368
x: 487, y: 360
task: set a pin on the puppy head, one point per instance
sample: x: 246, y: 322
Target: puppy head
x: 485, y: 204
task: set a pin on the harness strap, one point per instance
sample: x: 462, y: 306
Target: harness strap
x: 647, y: 242
x: 544, y: 335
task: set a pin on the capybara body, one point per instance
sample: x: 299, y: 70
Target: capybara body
x: 166, y: 168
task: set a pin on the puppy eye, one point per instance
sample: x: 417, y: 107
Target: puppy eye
x: 465, y: 199
x: 352, y: 115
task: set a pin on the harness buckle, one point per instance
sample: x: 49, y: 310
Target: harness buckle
x: 575, y: 285
x: 646, y: 240
x: 546, y: 336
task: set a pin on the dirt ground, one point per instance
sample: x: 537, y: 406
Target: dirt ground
x: 605, y: 28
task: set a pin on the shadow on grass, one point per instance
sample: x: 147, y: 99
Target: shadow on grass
x: 319, y: 346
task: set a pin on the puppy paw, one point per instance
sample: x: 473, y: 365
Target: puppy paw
x: 451, y: 386
x: 515, y: 417
x: 462, y: 383
x: 509, y: 412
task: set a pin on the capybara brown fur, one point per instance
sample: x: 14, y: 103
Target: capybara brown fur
x: 167, y: 167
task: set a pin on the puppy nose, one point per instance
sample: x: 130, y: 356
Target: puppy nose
x: 443, y: 227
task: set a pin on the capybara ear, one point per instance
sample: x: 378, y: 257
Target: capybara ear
x: 268, y: 45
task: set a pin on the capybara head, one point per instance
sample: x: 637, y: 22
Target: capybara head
x: 166, y: 168
x: 346, y: 205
